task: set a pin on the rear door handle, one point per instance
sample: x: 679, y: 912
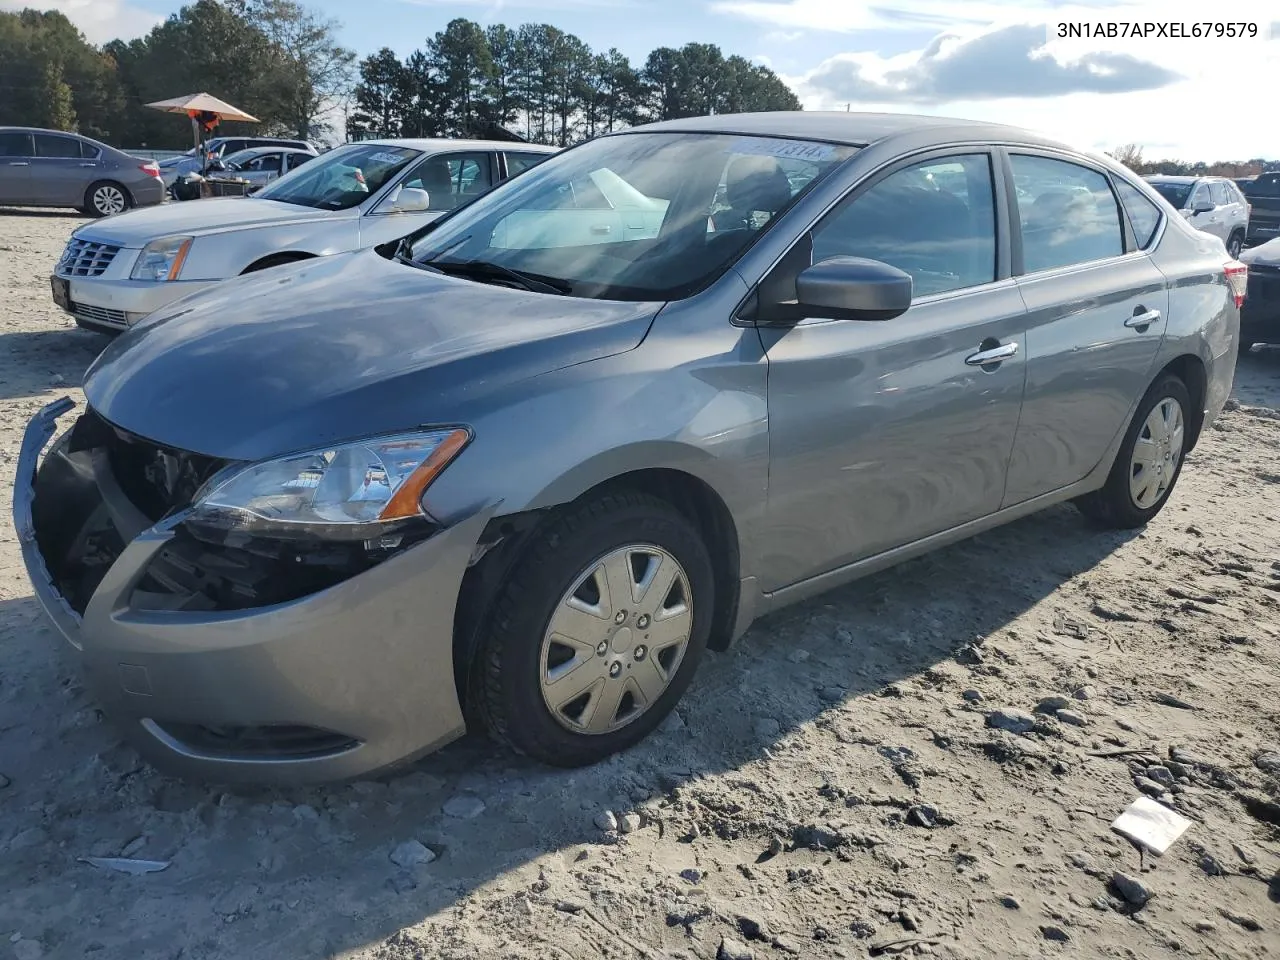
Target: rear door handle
x: 601, y: 228
x: 1141, y: 320
x: 994, y: 355
x: 88, y: 164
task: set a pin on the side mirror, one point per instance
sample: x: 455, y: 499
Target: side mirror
x: 409, y: 200
x: 1204, y: 206
x: 853, y: 288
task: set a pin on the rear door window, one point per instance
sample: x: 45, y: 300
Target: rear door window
x: 1067, y: 212
x: 55, y: 147
x: 1218, y: 191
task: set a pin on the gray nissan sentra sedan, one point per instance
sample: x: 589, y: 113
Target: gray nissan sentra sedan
x: 522, y: 468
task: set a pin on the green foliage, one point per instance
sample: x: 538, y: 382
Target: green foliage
x: 548, y: 86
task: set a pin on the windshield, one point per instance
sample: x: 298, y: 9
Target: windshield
x: 243, y: 156
x: 1175, y: 193
x: 641, y: 216
x: 342, y: 178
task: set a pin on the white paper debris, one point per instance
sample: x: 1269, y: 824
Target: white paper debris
x: 1151, y: 824
x: 126, y: 864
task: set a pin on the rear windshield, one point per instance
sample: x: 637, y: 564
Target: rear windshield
x: 1175, y: 193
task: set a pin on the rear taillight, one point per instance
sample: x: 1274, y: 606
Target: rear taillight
x: 1238, y: 279
x: 151, y: 169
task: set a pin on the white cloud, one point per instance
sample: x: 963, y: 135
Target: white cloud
x: 994, y: 60
x: 98, y: 20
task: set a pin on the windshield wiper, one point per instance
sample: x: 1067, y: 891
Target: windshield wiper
x: 486, y: 270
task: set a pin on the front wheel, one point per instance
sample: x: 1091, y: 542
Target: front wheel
x: 1149, y: 461
x: 597, y: 632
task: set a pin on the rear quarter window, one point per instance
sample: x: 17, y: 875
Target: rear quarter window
x: 1143, y: 213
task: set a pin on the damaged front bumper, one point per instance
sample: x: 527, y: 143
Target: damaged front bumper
x: 335, y: 684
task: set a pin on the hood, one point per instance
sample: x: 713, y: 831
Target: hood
x: 1264, y: 253
x: 340, y: 348
x: 137, y: 228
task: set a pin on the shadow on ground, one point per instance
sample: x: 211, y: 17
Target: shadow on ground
x: 305, y: 872
x: 46, y: 360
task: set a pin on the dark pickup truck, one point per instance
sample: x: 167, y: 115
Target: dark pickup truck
x: 1263, y: 194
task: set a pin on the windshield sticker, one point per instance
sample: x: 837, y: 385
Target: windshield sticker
x: 387, y: 157
x: 783, y: 149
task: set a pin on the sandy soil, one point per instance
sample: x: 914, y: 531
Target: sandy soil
x: 829, y: 788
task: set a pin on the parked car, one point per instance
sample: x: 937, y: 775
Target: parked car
x: 218, y: 149
x: 1212, y: 204
x: 1260, y: 315
x: 1263, y: 196
x: 261, y: 165
x: 50, y: 168
x: 114, y: 273
x: 312, y: 518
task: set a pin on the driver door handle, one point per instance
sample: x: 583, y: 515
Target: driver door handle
x: 994, y: 355
x: 19, y: 163
x: 1143, y: 319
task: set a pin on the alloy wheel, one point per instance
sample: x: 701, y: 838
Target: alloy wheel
x: 108, y: 200
x: 1156, y: 453
x: 616, y: 639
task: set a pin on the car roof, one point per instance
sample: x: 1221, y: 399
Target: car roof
x: 447, y: 143
x: 846, y: 127
x: 1176, y: 178
x: 273, y: 148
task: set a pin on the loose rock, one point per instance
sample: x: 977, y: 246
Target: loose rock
x: 1010, y: 902
x: 1014, y: 721
x: 1056, y: 934
x: 731, y: 949
x: 1267, y: 760
x: 692, y: 875
x: 923, y: 816
x: 1149, y: 787
x: 1052, y: 704
x: 606, y: 821
x: 1131, y: 888
x: 464, y: 806
x: 798, y: 655
x: 410, y: 854
x: 1086, y: 693
x: 767, y: 727
x: 972, y: 696
x: 844, y: 635
x: 1071, y: 717
x: 629, y: 823
x: 1161, y: 775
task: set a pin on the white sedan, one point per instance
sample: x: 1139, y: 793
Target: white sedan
x: 117, y: 270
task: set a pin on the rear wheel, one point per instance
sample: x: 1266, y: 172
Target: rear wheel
x: 1235, y: 243
x: 1149, y: 461
x: 597, y: 632
x: 105, y: 198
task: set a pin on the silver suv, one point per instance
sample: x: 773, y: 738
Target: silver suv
x: 1212, y: 204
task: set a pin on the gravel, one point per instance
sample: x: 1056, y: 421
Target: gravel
x: 307, y: 872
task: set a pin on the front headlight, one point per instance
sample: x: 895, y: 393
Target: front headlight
x: 161, y: 259
x: 350, y: 491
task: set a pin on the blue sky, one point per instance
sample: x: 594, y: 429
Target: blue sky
x: 981, y: 59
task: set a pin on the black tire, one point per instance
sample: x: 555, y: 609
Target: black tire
x: 1235, y: 244
x: 275, y: 260
x: 97, y: 196
x: 1113, y: 505
x: 506, y: 694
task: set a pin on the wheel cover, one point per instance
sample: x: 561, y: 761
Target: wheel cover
x: 108, y: 200
x: 616, y: 639
x: 1233, y: 248
x: 1156, y: 453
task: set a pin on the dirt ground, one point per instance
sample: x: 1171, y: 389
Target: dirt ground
x: 830, y: 788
